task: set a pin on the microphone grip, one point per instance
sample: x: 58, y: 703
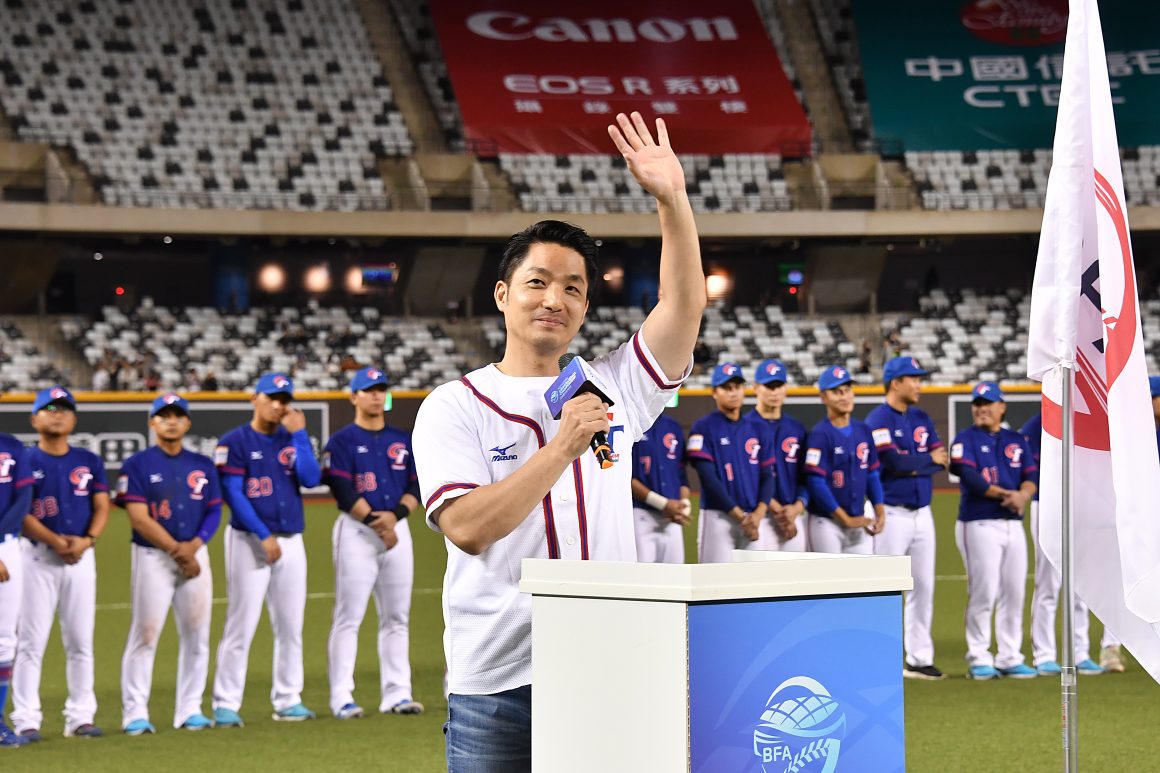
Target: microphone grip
x: 600, y: 447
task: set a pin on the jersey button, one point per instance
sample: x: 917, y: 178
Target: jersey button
x: 571, y: 540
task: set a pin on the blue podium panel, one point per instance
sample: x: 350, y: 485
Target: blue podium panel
x: 809, y: 685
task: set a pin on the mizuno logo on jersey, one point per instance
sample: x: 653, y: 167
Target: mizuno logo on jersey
x: 154, y: 477
x: 255, y: 455
x: 38, y: 474
x: 504, y: 454
x: 724, y: 441
x: 362, y: 450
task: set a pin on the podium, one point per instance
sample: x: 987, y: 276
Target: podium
x: 775, y: 662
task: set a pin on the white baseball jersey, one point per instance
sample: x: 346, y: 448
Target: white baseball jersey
x: 478, y: 431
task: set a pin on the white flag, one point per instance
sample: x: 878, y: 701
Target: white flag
x: 1085, y: 312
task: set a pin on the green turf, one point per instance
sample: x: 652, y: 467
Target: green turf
x: 955, y: 725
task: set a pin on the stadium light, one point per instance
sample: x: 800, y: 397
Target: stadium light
x: 718, y: 285
x: 354, y: 280
x: 272, y: 278
x: 317, y: 279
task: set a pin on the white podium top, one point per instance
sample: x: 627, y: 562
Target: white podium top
x: 754, y: 574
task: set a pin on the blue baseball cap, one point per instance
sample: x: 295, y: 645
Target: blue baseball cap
x: 901, y: 366
x: 833, y: 377
x: 1154, y: 385
x: 367, y: 378
x: 56, y: 394
x: 726, y: 372
x: 988, y: 391
x: 771, y: 371
x: 275, y: 384
x: 169, y: 400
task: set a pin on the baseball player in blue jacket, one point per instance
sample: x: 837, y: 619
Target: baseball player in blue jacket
x: 788, y: 435
x: 734, y: 460
x: 371, y: 472
x: 263, y: 465
x: 910, y: 451
x: 174, y: 502
x: 997, y: 477
x: 660, y: 493
x: 15, y: 502
x: 842, y: 473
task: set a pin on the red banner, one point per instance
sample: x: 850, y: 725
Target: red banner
x: 548, y: 76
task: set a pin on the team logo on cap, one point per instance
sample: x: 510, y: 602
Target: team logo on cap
x: 197, y: 482
x: 772, y: 369
x: 752, y: 447
x: 839, y: 372
x: 80, y: 477
x: 982, y: 389
x: 397, y: 453
x: 914, y: 364
x: 729, y: 370
x: 671, y: 444
x: 373, y: 374
x: 171, y: 398
x: 1014, y: 452
x: 58, y: 394
x: 801, y: 728
x: 281, y: 382
x: 790, y: 446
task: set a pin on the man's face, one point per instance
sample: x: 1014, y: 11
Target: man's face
x: 908, y: 388
x: 840, y: 399
x: 771, y: 396
x: 55, y: 420
x: 729, y: 396
x: 547, y: 298
x: 271, y: 409
x: 988, y: 415
x: 370, y: 402
x: 170, y: 424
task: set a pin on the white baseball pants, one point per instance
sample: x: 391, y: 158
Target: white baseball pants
x: 11, y: 593
x: 911, y: 533
x: 995, y: 554
x: 827, y: 536
x: 362, y: 566
x: 658, y: 540
x: 70, y: 591
x: 156, y: 584
x: 250, y: 581
x: 718, y: 535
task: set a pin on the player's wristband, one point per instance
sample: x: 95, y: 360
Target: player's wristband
x: 371, y: 518
x: 655, y: 500
x: 401, y: 511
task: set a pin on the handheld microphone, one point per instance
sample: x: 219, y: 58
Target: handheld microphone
x: 574, y: 380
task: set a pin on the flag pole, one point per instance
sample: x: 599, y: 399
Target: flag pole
x: 1068, y: 675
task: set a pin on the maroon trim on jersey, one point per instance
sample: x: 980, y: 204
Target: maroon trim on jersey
x: 701, y: 455
x: 232, y: 470
x: 648, y: 368
x: 339, y: 473
x: 448, y: 487
x: 549, y: 517
x: 24, y: 482
x: 581, y: 511
x: 213, y: 502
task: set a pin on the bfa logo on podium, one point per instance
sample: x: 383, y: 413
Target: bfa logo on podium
x: 801, y: 729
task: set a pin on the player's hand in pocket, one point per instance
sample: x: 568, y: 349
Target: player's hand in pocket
x: 272, y: 548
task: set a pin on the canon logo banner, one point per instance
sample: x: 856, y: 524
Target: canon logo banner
x: 506, y: 25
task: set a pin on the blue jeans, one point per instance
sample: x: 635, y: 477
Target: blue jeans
x: 490, y: 733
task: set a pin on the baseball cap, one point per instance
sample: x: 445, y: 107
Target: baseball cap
x: 367, y: 378
x: 901, y: 366
x: 987, y: 391
x: 1154, y: 385
x: 833, y: 377
x: 726, y: 372
x: 771, y: 371
x: 56, y: 394
x: 169, y: 399
x: 274, y: 384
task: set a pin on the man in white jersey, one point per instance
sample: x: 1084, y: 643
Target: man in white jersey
x: 504, y: 481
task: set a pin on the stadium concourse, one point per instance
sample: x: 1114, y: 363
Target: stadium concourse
x: 195, y: 194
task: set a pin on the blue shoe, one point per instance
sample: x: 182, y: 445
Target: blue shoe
x: 1051, y: 668
x: 1088, y: 667
x: 982, y: 672
x: 198, y: 722
x: 1021, y: 671
x: 140, y: 727
x: 296, y: 713
x: 32, y: 734
x: 83, y: 730
x: 10, y: 740
x: 349, y: 711
x: 227, y: 718
x: 406, y: 706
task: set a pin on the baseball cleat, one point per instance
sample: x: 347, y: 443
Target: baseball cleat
x: 982, y: 673
x: 1088, y: 667
x: 84, y: 730
x: 296, y: 713
x: 1021, y: 671
x: 349, y: 711
x: 140, y: 727
x: 11, y: 740
x: 1110, y: 660
x: 1049, y: 668
x: 929, y: 673
x: 406, y: 706
x: 227, y: 718
x: 197, y: 722
x: 31, y: 733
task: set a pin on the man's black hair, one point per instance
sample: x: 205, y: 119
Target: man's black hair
x: 550, y: 232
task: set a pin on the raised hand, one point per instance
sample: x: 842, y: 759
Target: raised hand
x: 654, y: 164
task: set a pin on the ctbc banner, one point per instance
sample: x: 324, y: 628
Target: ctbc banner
x: 546, y: 76
x: 984, y: 75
